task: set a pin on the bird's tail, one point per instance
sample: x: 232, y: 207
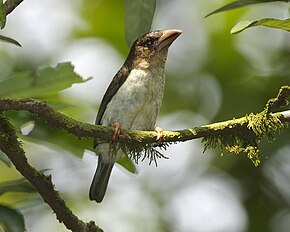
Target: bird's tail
x: 100, y: 182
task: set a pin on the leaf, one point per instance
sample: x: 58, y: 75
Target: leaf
x: 138, y: 18
x: 60, y: 139
x: 5, y: 159
x: 40, y: 84
x: 128, y: 164
x: 9, y: 40
x: 2, y: 15
x: 267, y: 22
x: 241, y: 3
x: 11, y: 220
x: 100, y: 17
x: 20, y: 185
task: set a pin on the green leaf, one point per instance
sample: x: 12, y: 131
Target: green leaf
x: 5, y: 159
x: 11, y: 220
x: 104, y: 20
x: 9, y: 40
x: 60, y: 139
x: 138, y: 18
x: 40, y: 84
x: 2, y: 15
x: 20, y: 185
x: 267, y: 22
x: 241, y: 3
x: 128, y: 164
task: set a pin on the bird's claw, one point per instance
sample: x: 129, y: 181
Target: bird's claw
x: 159, y: 137
x: 117, y: 127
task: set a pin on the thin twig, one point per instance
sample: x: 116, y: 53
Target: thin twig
x: 10, y: 5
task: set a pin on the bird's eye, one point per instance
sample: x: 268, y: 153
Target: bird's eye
x: 149, y: 42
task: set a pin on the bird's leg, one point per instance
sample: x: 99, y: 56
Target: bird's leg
x: 117, y: 127
x: 159, y: 134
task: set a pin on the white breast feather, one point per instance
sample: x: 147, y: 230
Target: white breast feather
x: 135, y: 105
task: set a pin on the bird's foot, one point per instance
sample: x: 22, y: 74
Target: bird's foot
x: 117, y: 131
x: 159, y: 137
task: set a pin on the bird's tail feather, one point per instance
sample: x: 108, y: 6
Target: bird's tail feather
x: 100, y: 182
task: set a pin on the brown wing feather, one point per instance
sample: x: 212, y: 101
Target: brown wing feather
x: 115, y: 84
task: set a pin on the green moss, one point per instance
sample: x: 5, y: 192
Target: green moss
x: 280, y: 100
x: 235, y: 138
x: 7, y: 128
x: 253, y: 154
x: 235, y: 142
x: 141, y: 151
x: 264, y: 124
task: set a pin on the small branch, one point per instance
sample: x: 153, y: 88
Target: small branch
x: 10, y: 5
x: 10, y: 145
x: 285, y: 115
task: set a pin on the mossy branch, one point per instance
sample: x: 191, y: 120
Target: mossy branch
x: 10, y: 145
x: 235, y: 136
x: 251, y: 128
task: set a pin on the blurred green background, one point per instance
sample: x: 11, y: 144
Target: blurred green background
x: 211, y: 76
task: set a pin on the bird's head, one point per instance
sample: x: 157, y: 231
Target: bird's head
x: 151, y: 49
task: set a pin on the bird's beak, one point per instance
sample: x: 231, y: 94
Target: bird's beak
x: 168, y: 37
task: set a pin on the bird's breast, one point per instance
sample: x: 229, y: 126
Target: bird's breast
x: 137, y: 102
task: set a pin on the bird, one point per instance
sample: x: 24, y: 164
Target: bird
x: 132, y: 100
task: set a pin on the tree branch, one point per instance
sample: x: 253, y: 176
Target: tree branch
x: 236, y: 135
x: 10, y: 5
x: 85, y: 130
x: 11, y: 147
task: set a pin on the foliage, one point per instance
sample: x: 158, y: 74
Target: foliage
x: 11, y: 219
x: 138, y: 18
x: 3, y: 15
x: 42, y: 84
x: 267, y: 22
x: 242, y: 25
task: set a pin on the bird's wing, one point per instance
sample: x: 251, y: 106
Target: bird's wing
x: 114, y: 86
